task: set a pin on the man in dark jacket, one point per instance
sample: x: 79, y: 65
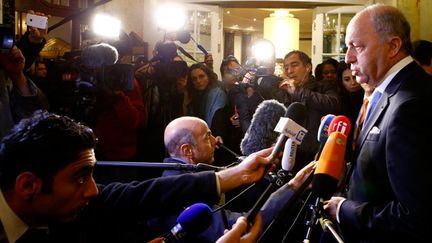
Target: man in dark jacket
x: 46, y: 181
x: 188, y: 140
x: 320, y: 99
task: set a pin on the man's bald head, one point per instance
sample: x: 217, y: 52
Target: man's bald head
x: 181, y: 131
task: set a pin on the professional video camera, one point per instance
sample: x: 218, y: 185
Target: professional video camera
x: 76, y: 79
x: 98, y: 65
x: 260, y: 65
x: 7, y: 26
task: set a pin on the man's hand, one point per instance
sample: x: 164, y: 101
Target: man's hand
x: 37, y: 35
x: 235, y: 120
x: 248, y: 171
x: 331, y: 206
x: 288, y: 84
x: 301, y: 176
x: 239, y: 233
x: 208, y: 60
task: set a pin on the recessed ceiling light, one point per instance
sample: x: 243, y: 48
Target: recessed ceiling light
x: 228, y: 12
x: 254, y: 19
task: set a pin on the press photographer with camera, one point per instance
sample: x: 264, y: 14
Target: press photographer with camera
x: 163, y: 82
x: 257, y: 81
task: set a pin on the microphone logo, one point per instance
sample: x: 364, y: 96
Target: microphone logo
x: 300, y: 135
x: 291, y: 129
x: 341, y: 126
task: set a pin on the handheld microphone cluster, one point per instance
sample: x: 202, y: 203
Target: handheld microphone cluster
x: 192, y: 221
x: 289, y: 127
x: 330, y: 166
x: 290, y: 130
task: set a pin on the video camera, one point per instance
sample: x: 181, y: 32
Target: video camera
x: 77, y: 77
x: 7, y: 26
x: 98, y: 63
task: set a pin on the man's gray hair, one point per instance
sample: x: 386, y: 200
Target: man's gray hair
x: 389, y: 21
x: 181, y: 136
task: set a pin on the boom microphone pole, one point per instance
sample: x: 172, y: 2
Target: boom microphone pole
x: 162, y: 166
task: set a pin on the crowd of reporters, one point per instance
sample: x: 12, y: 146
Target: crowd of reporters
x: 133, y: 105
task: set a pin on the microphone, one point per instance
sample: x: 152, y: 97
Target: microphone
x: 322, y: 134
x: 260, y: 133
x: 222, y: 146
x: 192, y: 221
x: 330, y: 166
x: 184, y: 37
x: 289, y: 127
x: 99, y: 55
x: 290, y: 149
x: 328, y: 173
x: 289, y: 155
x: 340, y: 124
x: 324, y: 127
x: 164, y: 166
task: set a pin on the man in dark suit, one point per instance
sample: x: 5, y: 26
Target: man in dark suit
x: 46, y: 181
x: 388, y: 190
x: 188, y: 140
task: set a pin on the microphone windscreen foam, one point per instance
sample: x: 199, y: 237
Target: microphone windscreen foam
x: 99, y: 55
x: 297, y: 112
x: 196, y: 218
x: 260, y: 134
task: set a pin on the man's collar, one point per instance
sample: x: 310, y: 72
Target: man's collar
x: 391, y: 73
x: 13, y: 226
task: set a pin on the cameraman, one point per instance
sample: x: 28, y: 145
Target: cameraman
x: 119, y: 109
x: 163, y: 81
x: 259, y: 84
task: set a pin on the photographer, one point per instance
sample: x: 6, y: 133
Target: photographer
x: 258, y: 84
x: 163, y: 81
x: 19, y: 96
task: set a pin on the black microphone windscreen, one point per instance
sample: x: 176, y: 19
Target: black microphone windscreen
x: 260, y: 133
x: 98, y: 55
x: 297, y: 112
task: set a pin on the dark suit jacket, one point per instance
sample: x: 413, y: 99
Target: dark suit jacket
x: 120, y: 212
x: 320, y: 99
x: 223, y: 219
x: 387, y: 197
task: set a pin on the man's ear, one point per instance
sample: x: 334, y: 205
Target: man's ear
x: 27, y: 184
x: 308, y: 68
x: 395, y: 45
x: 186, y: 150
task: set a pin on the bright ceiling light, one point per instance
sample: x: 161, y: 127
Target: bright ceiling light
x: 282, y: 29
x: 106, y: 26
x: 263, y: 51
x: 170, y: 17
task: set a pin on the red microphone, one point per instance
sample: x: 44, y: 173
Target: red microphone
x: 340, y: 124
